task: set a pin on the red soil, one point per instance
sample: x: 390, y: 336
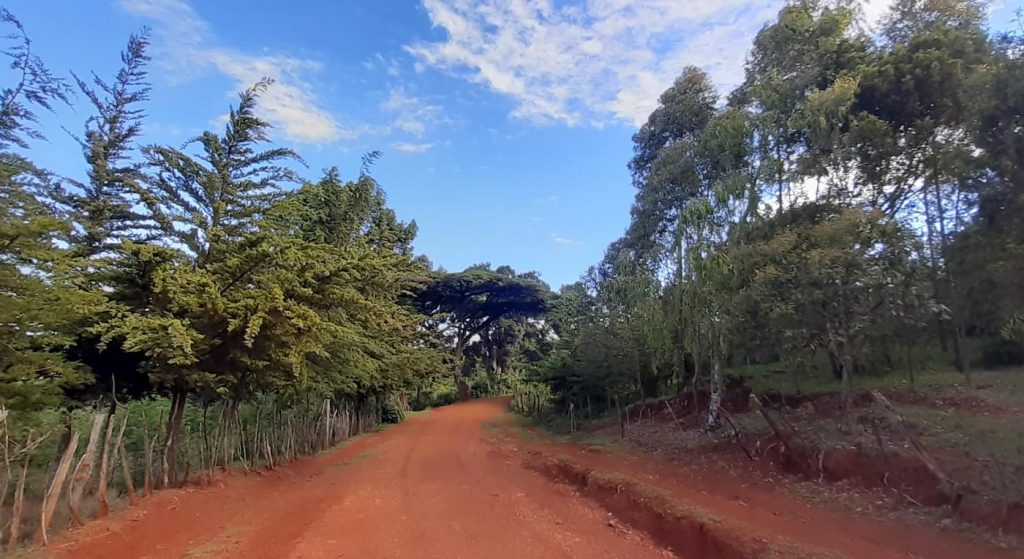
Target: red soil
x: 430, y: 487
x: 434, y: 487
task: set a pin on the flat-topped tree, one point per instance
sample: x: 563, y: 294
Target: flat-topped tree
x: 470, y: 302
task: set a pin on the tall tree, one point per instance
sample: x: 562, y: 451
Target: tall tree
x: 471, y: 302
x: 108, y: 207
x: 41, y: 306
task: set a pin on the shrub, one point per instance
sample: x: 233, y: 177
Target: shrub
x: 1001, y: 353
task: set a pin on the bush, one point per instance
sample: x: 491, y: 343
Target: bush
x: 391, y: 412
x: 1001, y: 353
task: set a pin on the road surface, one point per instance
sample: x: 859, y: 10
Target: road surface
x: 430, y: 487
x: 447, y: 484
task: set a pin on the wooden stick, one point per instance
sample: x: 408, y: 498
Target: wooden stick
x: 83, y: 471
x: 946, y: 486
x: 102, y: 506
x: 56, y: 486
x: 147, y: 475
x: 794, y: 447
x: 126, y: 468
x: 19, y: 500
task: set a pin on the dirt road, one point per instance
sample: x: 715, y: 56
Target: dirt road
x: 430, y: 487
x: 438, y: 485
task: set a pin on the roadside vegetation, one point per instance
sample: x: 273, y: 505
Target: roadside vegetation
x: 175, y: 311
x: 827, y: 258
x: 822, y: 271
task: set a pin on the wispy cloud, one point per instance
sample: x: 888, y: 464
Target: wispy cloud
x: 408, y: 147
x: 591, y: 62
x: 412, y: 114
x: 378, y: 61
x: 187, y: 47
x: 560, y: 240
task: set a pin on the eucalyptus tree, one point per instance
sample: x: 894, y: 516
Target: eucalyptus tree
x: 916, y: 102
x: 666, y: 177
x: 808, y: 46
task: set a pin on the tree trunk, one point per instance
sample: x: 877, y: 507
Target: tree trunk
x: 460, y: 382
x: 327, y: 424
x: 622, y: 419
x: 83, y: 471
x: 948, y: 289
x: 56, y: 486
x: 126, y: 470
x: 847, y: 381
x: 228, y: 416
x: 715, y: 386
x: 910, y: 367
x: 207, y: 452
x: 170, y: 458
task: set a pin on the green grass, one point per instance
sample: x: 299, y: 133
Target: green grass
x: 766, y: 379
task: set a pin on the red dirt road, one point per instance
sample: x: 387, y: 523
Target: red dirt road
x: 430, y: 487
x: 442, y: 485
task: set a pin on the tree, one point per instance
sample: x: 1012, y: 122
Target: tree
x: 200, y: 329
x: 36, y: 88
x: 833, y: 280
x: 41, y: 305
x: 108, y: 207
x: 471, y: 302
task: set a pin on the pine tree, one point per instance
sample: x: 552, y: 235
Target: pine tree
x: 108, y: 207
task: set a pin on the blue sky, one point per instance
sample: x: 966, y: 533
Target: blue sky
x: 505, y: 124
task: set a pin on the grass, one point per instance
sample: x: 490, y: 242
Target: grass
x: 767, y: 379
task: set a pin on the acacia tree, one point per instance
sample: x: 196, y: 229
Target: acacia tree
x: 470, y: 303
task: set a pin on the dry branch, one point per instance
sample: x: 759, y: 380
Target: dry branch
x: 946, y: 485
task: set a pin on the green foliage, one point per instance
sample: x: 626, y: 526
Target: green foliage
x: 485, y: 315
x: 391, y: 412
x: 1002, y: 353
x: 856, y: 203
x: 279, y: 320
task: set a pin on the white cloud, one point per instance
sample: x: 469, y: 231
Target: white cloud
x: 560, y: 240
x: 412, y: 114
x: 598, y: 60
x: 407, y: 147
x: 187, y: 48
